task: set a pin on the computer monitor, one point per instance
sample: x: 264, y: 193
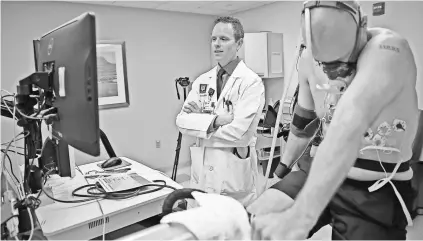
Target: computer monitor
x: 70, y: 50
x: 65, y: 79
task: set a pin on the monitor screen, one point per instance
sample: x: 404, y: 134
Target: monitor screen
x: 70, y: 52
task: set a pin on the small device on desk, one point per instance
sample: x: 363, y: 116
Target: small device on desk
x: 122, y: 182
x: 111, y: 162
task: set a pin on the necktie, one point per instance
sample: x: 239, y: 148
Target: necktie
x: 219, y: 81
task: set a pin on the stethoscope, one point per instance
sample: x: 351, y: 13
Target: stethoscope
x: 226, y: 100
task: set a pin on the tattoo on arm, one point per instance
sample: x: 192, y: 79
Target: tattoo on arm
x: 389, y: 47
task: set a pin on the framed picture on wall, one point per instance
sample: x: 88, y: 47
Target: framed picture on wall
x: 111, y: 75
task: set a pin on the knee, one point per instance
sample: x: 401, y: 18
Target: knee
x: 291, y: 184
x: 287, y: 190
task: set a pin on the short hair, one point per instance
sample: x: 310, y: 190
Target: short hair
x: 236, y: 25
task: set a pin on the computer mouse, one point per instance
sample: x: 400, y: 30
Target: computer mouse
x: 114, y: 161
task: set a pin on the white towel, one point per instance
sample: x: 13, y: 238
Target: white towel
x: 217, y: 217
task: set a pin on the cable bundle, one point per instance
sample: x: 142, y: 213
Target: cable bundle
x: 95, y: 191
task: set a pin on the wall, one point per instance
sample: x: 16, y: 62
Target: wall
x: 160, y: 47
x: 284, y: 17
x: 280, y: 17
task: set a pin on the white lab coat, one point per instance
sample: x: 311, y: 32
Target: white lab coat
x: 214, y: 168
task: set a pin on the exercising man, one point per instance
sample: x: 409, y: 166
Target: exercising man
x: 357, y: 91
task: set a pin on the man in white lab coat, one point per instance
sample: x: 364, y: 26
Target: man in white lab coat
x: 223, y: 110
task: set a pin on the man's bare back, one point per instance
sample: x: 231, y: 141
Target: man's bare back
x: 396, y: 124
x: 363, y: 92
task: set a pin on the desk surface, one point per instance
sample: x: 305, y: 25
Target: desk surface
x: 56, y: 217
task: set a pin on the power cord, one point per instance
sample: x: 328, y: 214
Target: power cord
x: 58, y: 200
x: 101, y: 209
x: 19, y: 185
x: 30, y: 202
x: 104, y: 220
x: 23, y: 201
x: 13, y: 216
x: 10, y: 162
x: 95, y: 191
x: 19, y: 153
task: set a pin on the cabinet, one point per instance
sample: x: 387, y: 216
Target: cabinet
x: 263, y: 53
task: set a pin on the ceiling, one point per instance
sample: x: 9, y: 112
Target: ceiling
x: 200, y: 7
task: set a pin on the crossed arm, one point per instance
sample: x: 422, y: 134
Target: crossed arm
x: 197, y: 124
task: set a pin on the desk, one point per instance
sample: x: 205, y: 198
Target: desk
x: 85, y: 220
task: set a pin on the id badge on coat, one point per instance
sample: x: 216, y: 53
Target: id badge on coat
x: 207, y: 105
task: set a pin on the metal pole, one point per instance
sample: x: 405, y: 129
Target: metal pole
x: 184, y: 82
x: 282, y: 101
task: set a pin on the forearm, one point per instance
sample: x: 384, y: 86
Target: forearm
x: 213, y: 127
x: 303, y: 127
x: 194, y: 124
x: 232, y: 132
x: 294, y: 148
x: 245, y: 113
x: 241, y: 125
x: 334, y: 158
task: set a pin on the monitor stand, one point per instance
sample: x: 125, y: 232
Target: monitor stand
x: 107, y: 144
x: 57, y: 153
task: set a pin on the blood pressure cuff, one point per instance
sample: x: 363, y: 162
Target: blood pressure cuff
x: 304, y: 123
